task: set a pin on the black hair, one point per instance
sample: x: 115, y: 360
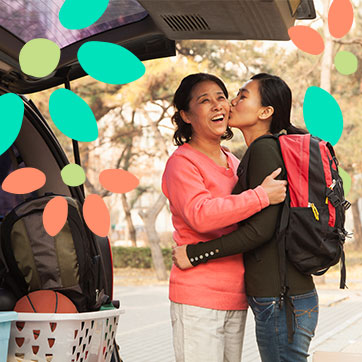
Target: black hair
x: 276, y: 93
x: 181, y: 102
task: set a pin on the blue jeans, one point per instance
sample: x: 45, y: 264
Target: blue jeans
x: 271, y: 327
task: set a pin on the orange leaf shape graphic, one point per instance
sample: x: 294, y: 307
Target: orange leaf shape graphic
x: 306, y: 39
x: 118, y: 181
x: 96, y: 215
x: 55, y: 215
x: 24, y: 180
x: 340, y: 18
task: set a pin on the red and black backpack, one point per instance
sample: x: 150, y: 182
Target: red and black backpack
x: 311, y: 233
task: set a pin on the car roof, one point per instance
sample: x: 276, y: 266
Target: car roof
x: 124, y: 22
x: 39, y: 19
x: 148, y: 28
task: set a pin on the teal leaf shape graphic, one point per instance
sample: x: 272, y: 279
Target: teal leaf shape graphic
x: 72, y: 116
x: 322, y: 115
x: 79, y: 14
x: 11, y: 119
x: 110, y: 63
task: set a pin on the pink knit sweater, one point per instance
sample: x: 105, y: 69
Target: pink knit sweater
x: 203, y: 209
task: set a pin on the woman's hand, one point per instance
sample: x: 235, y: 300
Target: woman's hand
x: 179, y: 257
x: 276, y: 189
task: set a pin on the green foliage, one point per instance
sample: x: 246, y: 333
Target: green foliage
x: 124, y: 257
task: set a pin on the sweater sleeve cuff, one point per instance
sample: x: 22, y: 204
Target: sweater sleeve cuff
x: 191, y: 253
x: 263, y: 196
x: 201, y: 252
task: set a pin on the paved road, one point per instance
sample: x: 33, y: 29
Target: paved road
x: 144, y: 331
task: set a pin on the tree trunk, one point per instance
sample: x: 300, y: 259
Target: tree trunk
x: 149, y: 219
x: 326, y: 66
x: 357, y: 228
x: 128, y: 217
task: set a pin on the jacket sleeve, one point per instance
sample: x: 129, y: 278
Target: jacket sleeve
x: 183, y: 185
x: 256, y: 230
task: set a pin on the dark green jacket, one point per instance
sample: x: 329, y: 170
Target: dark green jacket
x: 255, y: 237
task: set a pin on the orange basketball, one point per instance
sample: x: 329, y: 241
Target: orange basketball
x: 45, y: 301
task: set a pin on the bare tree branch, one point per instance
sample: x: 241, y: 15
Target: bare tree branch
x: 311, y: 70
x: 139, y: 192
x: 90, y: 187
x: 105, y: 193
x: 120, y: 158
x: 155, y: 209
x: 166, y: 127
x: 182, y: 50
x: 348, y: 42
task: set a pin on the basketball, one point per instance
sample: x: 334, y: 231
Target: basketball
x: 45, y: 301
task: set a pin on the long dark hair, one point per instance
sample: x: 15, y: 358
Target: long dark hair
x: 181, y: 102
x: 276, y: 93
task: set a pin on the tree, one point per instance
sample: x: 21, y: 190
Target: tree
x: 151, y: 96
x: 326, y: 66
x: 149, y: 218
x: 133, y: 129
x: 98, y: 95
x: 348, y: 89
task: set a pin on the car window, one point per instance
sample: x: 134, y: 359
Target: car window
x: 29, y: 19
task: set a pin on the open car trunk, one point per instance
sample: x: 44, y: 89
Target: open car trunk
x: 38, y: 147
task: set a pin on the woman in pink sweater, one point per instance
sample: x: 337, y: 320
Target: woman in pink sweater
x: 208, y: 301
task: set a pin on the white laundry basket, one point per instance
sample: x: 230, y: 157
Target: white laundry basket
x: 5, y: 324
x: 67, y: 337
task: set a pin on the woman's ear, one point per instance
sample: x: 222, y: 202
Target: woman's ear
x: 266, y: 112
x: 184, y: 117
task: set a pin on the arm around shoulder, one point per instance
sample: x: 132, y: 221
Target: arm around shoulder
x: 256, y: 230
x: 184, y: 186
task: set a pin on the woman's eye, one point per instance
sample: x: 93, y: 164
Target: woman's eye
x: 204, y: 100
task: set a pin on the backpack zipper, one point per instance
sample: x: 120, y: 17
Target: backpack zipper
x: 331, y: 186
x: 314, y: 209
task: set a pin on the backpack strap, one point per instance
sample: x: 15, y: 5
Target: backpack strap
x: 345, y: 204
x: 331, y: 150
x: 15, y: 160
x: 343, y: 273
x: 342, y: 282
x: 10, y: 275
x: 284, y: 297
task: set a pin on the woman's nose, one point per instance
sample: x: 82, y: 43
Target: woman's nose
x: 217, y: 104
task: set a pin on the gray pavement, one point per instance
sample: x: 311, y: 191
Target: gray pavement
x: 144, y: 330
